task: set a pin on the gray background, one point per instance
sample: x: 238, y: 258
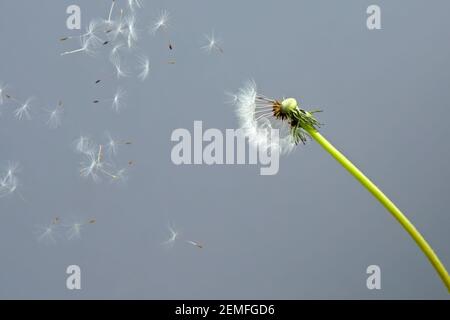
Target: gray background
x: 308, y: 232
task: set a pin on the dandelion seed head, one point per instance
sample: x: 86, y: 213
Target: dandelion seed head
x: 256, y: 118
x: 259, y: 115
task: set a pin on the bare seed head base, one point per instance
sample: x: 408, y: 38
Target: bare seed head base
x: 253, y: 107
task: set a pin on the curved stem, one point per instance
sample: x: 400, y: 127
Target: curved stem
x: 388, y: 204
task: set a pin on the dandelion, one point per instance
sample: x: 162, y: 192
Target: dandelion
x: 161, y: 23
x: 55, y: 115
x: 144, y: 67
x: 257, y: 112
x: 256, y: 118
x: 23, y: 111
x: 213, y: 44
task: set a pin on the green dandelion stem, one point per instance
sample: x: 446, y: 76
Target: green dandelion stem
x: 384, y: 200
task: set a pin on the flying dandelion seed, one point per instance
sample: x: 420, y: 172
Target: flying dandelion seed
x: 173, y: 236
x: 91, y: 34
x: 47, y: 234
x: 3, y: 94
x: 213, y: 44
x: 133, y: 4
x: 117, y: 63
x: 87, y: 46
x: 144, y: 67
x: 83, y: 144
x: 9, y: 181
x: 115, y: 52
x: 94, y: 166
x: 55, y: 116
x: 132, y: 37
x: 117, y: 103
x: 111, y: 11
x: 74, y: 229
x: 23, y: 111
x: 113, y: 145
x: 195, y: 244
x: 161, y: 23
x: 258, y: 114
